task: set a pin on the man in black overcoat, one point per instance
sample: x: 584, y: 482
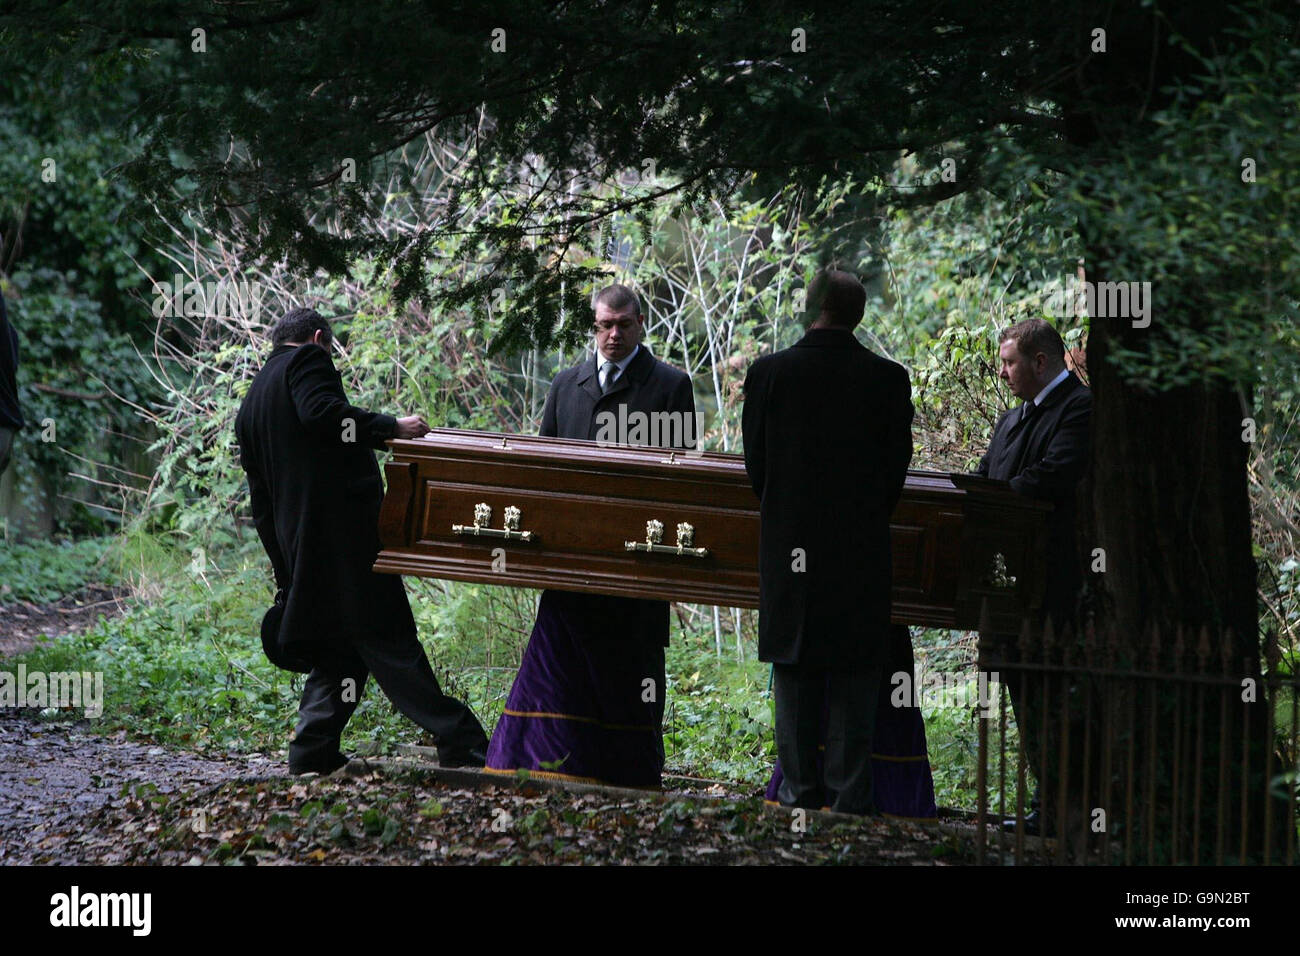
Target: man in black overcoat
x: 623, y: 372
x: 639, y: 381
x: 11, y: 415
x: 315, y: 493
x: 1041, y: 447
x: 827, y: 430
x: 620, y: 641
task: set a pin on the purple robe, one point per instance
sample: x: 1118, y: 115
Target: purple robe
x: 902, y: 785
x: 587, y: 702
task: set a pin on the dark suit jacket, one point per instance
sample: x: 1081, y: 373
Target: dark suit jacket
x: 11, y: 415
x: 315, y: 501
x: 647, y: 385
x: 1045, y: 458
x: 828, y: 437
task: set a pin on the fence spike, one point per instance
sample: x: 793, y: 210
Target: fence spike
x: 1272, y: 653
x: 1026, y: 641
x: 1203, y: 649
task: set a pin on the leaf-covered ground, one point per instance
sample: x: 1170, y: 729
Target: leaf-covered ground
x: 73, y: 797
x: 55, y: 776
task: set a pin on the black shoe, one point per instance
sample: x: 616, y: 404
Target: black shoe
x: 322, y: 767
x: 1031, y: 825
x: 458, y: 757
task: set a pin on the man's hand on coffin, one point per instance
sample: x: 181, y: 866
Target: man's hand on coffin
x: 412, y: 426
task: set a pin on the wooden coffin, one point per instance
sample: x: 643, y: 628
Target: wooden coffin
x: 555, y: 513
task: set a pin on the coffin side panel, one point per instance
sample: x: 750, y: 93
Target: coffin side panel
x: 583, y: 504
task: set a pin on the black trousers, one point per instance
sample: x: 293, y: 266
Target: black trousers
x: 1029, y: 708
x: 6, y: 447
x: 334, y: 688
x: 846, y: 697
x: 1049, y: 714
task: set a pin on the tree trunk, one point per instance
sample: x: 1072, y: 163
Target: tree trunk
x: 1166, y: 507
x: 1168, y: 503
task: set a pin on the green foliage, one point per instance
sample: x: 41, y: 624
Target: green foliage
x: 44, y: 571
x: 62, y: 195
x: 189, y: 671
x: 1204, y: 207
x: 476, y: 634
x: 708, y: 100
x: 717, y: 721
x: 198, y: 479
x: 74, y: 259
x: 66, y: 344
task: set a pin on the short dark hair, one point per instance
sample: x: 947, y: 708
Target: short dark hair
x: 837, y: 295
x: 299, y: 325
x: 617, y: 298
x: 1033, y: 336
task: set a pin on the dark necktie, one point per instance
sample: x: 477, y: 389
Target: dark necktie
x: 611, y: 373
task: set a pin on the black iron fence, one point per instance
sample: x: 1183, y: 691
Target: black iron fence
x: 1173, y: 751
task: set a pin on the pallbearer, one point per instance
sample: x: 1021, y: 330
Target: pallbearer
x: 1041, y: 448
x: 315, y: 494
x: 827, y: 429
x: 588, y: 701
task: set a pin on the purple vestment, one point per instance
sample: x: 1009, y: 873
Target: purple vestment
x: 587, y: 703
x: 900, y: 766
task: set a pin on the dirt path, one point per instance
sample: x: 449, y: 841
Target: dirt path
x: 69, y: 795
x: 54, y: 775
x: 23, y: 624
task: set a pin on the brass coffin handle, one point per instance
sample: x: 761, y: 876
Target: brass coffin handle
x: 483, y: 515
x: 997, y: 576
x: 654, y: 534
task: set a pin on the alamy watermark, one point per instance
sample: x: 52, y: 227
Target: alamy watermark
x: 57, y: 689
x: 1102, y: 300
x: 931, y: 689
x: 74, y: 908
x: 224, y: 297
x: 678, y: 431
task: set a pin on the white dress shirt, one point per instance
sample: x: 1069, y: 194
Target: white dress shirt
x: 1038, y: 399
x: 622, y: 365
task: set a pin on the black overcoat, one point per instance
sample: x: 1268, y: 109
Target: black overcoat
x: 572, y: 410
x: 828, y: 437
x: 11, y: 415
x: 1044, y: 457
x: 647, y: 385
x: 315, y: 492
